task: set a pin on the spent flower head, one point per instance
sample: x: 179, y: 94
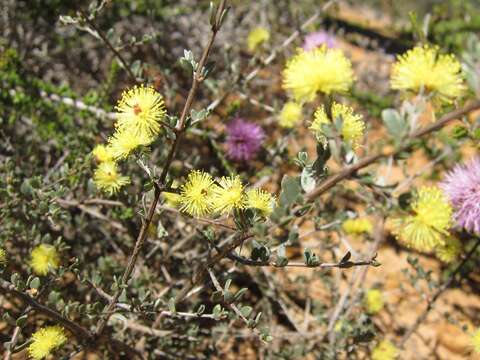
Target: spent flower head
x: 244, y: 140
x: 450, y: 250
x: 140, y: 110
x: 316, y: 39
x: 290, y: 115
x: 45, y: 340
x: 43, y: 259
x: 257, y: 37
x: 260, y: 200
x: 195, y: 194
x: 427, y: 227
x: 462, y: 187
x: 228, y: 195
x: 423, y: 69
x: 352, y: 129
x: 108, y: 179
x: 321, y: 70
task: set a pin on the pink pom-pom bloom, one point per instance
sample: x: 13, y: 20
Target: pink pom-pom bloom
x: 318, y: 38
x: 244, y: 140
x: 462, y: 186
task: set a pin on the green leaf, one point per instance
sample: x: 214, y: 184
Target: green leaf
x: 246, y: 311
x: 21, y: 320
x: 291, y: 190
x: 35, y: 283
x: 395, y: 123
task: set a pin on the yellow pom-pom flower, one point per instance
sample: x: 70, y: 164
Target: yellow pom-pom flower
x: 3, y: 256
x: 102, y: 153
x: 43, y: 259
x: 450, y: 250
x: 428, y: 226
x: 124, y: 142
x: 257, y: 37
x: 374, y: 301
x: 108, y: 179
x: 385, y: 350
x: 228, y: 195
x: 141, y: 110
x: 45, y: 341
x: 321, y: 70
x: 423, y: 69
x: 357, y: 226
x: 196, y: 193
x: 260, y: 200
x: 290, y: 115
x: 352, y: 125
x: 475, y: 341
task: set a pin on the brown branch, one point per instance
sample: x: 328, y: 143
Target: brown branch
x: 437, y: 294
x: 350, y: 170
x: 180, y: 128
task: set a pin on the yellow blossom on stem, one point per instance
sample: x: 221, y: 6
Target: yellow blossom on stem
x: 428, y: 226
x: 172, y: 199
x: 102, y: 153
x: 357, y: 226
x: 321, y: 70
x: 195, y: 194
x: 108, y: 179
x: 450, y: 250
x: 475, y: 341
x: 43, y: 259
x: 257, y: 37
x: 352, y: 129
x: 290, y: 115
x: 423, y: 69
x: 124, y: 142
x: 374, y: 301
x: 260, y: 200
x: 45, y: 341
x: 385, y: 350
x: 228, y: 195
x: 140, y: 111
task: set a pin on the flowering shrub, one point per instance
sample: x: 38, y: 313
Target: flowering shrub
x: 237, y: 180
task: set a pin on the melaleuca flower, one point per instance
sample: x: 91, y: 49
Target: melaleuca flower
x: 320, y: 70
x: 423, y: 69
x: 45, y: 341
x: 317, y: 39
x: 108, y: 179
x: 427, y: 228
x: 140, y: 111
x: 195, y: 194
x: 172, y: 199
x: 385, y: 350
x: 228, y: 195
x: 290, y: 115
x: 244, y: 140
x: 373, y: 301
x: 3, y: 256
x: 450, y: 250
x: 357, y: 226
x: 43, y: 259
x: 257, y: 37
x: 352, y: 125
x: 462, y: 187
x: 475, y: 341
x: 102, y: 153
x: 124, y: 142
x: 260, y: 200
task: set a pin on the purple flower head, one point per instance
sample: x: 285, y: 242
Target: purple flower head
x: 462, y: 186
x: 318, y: 38
x: 244, y: 139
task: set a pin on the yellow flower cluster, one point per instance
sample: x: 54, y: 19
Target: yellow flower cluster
x: 450, y: 250
x: 139, y: 115
x: 45, y: 340
x: 257, y: 37
x: 43, y: 259
x: 385, y: 350
x: 423, y: 69
x: 352, y: 129
x: 3, y: 256
x: 427, y: 228
x: 475, y: 341
x: 357, y: 226
x: 290, y: 115
x: 202, y: 195
x: 321, y: 70
x: 374, y: 301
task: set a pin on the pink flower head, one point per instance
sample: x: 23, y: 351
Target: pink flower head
x: 244, y: 139
x: 317, y: 39
x: 462, y: 186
